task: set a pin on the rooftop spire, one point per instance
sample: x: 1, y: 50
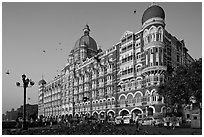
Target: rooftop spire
x: 86, y: 29
x: 152, y: 4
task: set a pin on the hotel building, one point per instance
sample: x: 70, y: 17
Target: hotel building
x: 123, y: 80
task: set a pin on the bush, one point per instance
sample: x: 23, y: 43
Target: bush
x: 8, y: 124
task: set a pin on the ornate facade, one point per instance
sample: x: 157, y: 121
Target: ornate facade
x: 122, y: 80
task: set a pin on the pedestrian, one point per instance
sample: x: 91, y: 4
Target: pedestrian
x: 59, y: 122
x: 51, y: 122
x: 43, y: 122
x: 122, y: 120
x: 137, y: 122
x: 31, y: 122
x: 68, y: 124
x: 168, y: 121
x: 17, y: 122
x: 174, y: 120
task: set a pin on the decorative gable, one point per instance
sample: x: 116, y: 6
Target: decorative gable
x: 127, y: 33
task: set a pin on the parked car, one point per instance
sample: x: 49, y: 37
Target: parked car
x: 126, y: 119
x: 118, y: 120
x: 158, y: 122
x: 140, y: 121
x: 188, y: 120
x: 148, y: 121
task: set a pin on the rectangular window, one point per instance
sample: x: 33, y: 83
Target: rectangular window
x: 156, y: 49
x: 152, y: 51
x: 187, y: 115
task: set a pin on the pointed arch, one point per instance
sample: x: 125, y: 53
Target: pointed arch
x: 122, y: 96
x: 138, y: 92
x: 124, y: 109
x: 130, y: 95
x: 95, y: 112
x: 162, y: 109
x: 147, y: 92
x: 137, y: 109
x: 153, y: 91
x: 111, y: 111
x: 152, y: 108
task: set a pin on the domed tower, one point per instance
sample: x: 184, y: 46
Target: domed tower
x: 41, y: 91
x: 84, y: 47
x: 153, y: 24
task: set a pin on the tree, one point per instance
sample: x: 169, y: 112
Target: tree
x: 183, y: 83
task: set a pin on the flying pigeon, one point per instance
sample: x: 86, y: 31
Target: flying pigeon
x: 135, y: 11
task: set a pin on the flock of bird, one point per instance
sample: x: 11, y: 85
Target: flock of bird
x: 44, y: 51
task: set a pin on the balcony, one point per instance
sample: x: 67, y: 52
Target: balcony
x: 154, y: 68
x: 127, y: 76
x: 153, y: 43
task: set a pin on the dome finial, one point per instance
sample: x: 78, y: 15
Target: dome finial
x: 86, y: 29
x: 152, y: 4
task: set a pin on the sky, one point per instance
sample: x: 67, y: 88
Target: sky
x: 29, y: 28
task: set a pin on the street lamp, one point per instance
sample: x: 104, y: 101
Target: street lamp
x: 26, y: 83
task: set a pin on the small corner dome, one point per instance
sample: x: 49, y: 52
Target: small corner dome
x: 42, y: 82
x: 153, y: 11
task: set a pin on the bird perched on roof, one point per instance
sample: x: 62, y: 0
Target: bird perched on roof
x: 7, y: 72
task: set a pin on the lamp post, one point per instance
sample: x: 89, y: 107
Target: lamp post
x: 25, y: 85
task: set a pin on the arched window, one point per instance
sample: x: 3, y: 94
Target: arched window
x: 132, y: 84
x: 152, y: 34
x: 160, y: 34
x: 139, y: 82
x: 138, y: 67
x: 145, y: 36
x: 122, y: 99
x: 129, y: 98
x: 154, y: 95
x: 138, y: 98
x: 126, y: 84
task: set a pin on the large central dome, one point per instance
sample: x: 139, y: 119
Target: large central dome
x: 153, y: 11
x: 86, y: 41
